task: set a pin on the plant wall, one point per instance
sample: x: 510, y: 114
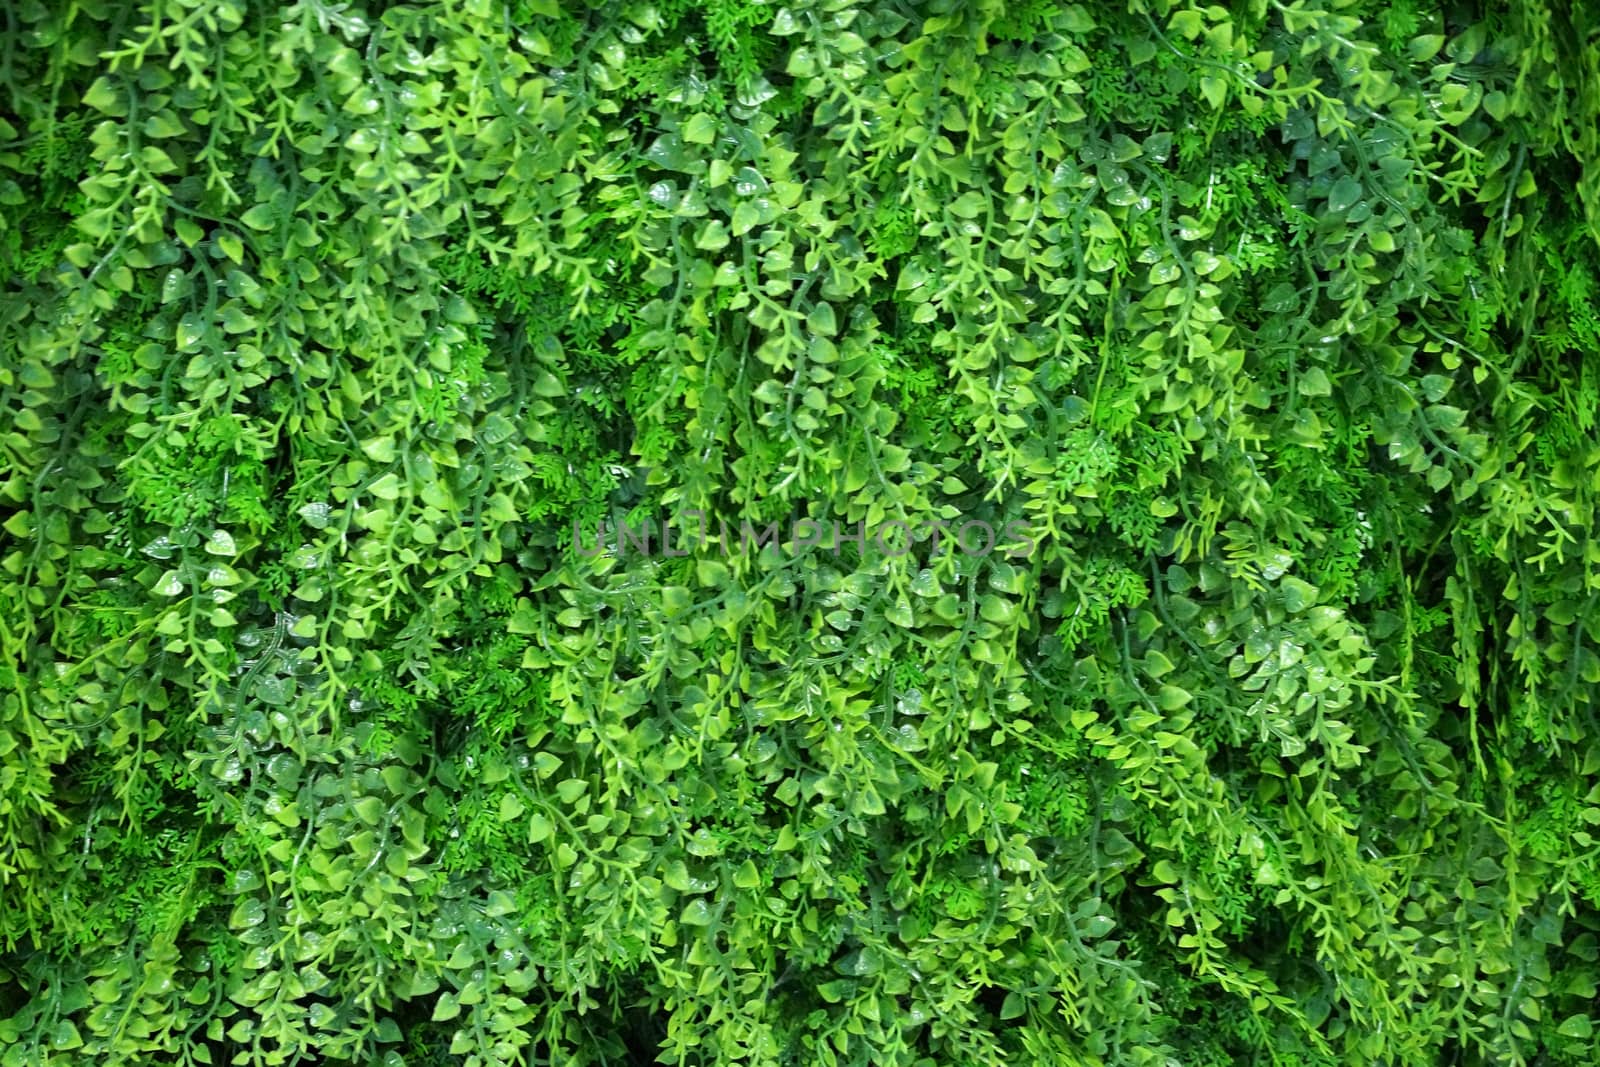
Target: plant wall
x: 334, y: 336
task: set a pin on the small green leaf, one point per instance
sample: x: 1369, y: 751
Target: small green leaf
x: 220, y: 543
x: 231, y: 246
x: 1171, y: 697
x: 103, y: 97
x: 997, y: 609
x: 711, y: 573
x: 379, y: 449
x: 547, y: 384
x: 447, y: 1007
x: 260, y: 217
x: 370, y: 810
x: 1344, y: 194
x: 700, y: 129
x: 1298, y: 595
x: 386, y: 487
x: 713, y: 236
x: 1424, y: 48
x: 821, y: 320
x: 675, y: 599
x: 1314, y: 382
x: 67, y: 1036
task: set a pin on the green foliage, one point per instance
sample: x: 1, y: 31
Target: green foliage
x: 323, y: 326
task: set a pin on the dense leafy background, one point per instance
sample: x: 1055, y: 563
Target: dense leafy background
x: 320, y: 324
